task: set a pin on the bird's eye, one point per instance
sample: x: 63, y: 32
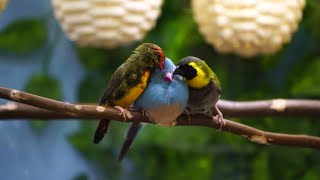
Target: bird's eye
x: 159, y: 57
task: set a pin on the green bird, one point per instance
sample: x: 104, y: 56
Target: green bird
x: 204, y: 86
x: 129, y: 81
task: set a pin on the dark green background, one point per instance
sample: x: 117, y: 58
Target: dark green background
x: 190, y: 152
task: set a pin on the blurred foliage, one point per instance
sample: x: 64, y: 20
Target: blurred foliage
x: 103, y: 154
x: 200, y: 153
x: 306, y: 84
x: 43, y: 85
x: 81, y: 177
x: 92, y: 58
x: 313, y: 15
x: 23, y: 36
x: 90, y: 88
x: 195, y: 152
x: 260, y: 166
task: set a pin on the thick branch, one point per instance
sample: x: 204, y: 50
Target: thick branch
x: 230, y: 109
x: 68, y: 110
x: 12, y: 110
x: 275, y: 107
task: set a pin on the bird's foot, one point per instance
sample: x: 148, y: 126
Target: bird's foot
x: 221, y: 121
x: 174, y: 122
x: 144, y: 113
x: 219, y: 116
x: 125, y: 113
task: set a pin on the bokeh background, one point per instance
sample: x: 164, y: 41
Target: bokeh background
x: 36, y: 56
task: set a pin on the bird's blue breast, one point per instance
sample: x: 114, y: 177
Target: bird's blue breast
x: 160, y: 92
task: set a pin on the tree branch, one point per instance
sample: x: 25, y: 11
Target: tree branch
x: 230, y: 109
x: 57, y: 109
x: 274, y: 107
x: 12, y: 110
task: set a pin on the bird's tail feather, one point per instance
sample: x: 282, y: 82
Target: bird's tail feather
x: 129, y: 138
x: 101, y: 130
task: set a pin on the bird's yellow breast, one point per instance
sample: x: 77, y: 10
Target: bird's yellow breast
x: 134, y: 92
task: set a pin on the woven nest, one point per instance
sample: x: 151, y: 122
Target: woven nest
x: 106, y: 23
x: 247, y: 27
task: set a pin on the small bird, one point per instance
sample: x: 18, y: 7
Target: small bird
x: 164, y: 99
x: 129, y: 81
x: 204, y: 86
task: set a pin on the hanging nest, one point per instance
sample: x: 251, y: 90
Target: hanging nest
x: 247, y: 27
x: 106, y: 23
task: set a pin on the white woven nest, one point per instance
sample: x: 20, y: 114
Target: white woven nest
x: 106, y: 23
x: 248, y: 27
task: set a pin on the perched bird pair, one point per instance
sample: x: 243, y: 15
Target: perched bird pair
x: 152, y: 83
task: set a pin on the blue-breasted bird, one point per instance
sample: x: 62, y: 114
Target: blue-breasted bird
x: 204, y: 86
x: 164, y: 99
x: 129, y: 81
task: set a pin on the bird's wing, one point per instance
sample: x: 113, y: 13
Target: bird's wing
x: 117, y: 78
x: 215, y: 80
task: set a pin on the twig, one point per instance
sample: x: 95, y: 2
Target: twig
x: 68, y: 110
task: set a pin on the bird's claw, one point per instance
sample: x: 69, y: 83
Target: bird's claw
x: 144, y: 113
x: 220, y: 118
x: 221, y: 121
x: 125, y: 113
x: 173, y: 123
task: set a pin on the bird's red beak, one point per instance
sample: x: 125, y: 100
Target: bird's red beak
x: 168, y: 77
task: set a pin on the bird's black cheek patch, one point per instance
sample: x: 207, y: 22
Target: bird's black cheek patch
x: 190, y: 72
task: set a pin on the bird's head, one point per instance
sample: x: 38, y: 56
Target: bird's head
x: 195, y: 71
x: 160, y: 56
x: 166, y: 72
x: 151, y: 54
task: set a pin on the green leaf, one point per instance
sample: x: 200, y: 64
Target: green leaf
x: 91, y: 87
x: 81, y: 176
x: 308, y: 82
x: 260, y: 166
x: 312, y: 174
x: 271, y: 61
x: 23, y: 36
x: 92, y: 58
x: 312, y: 17
x: 177, y: 36
x: 46, y: 86
x: 150, y: 135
